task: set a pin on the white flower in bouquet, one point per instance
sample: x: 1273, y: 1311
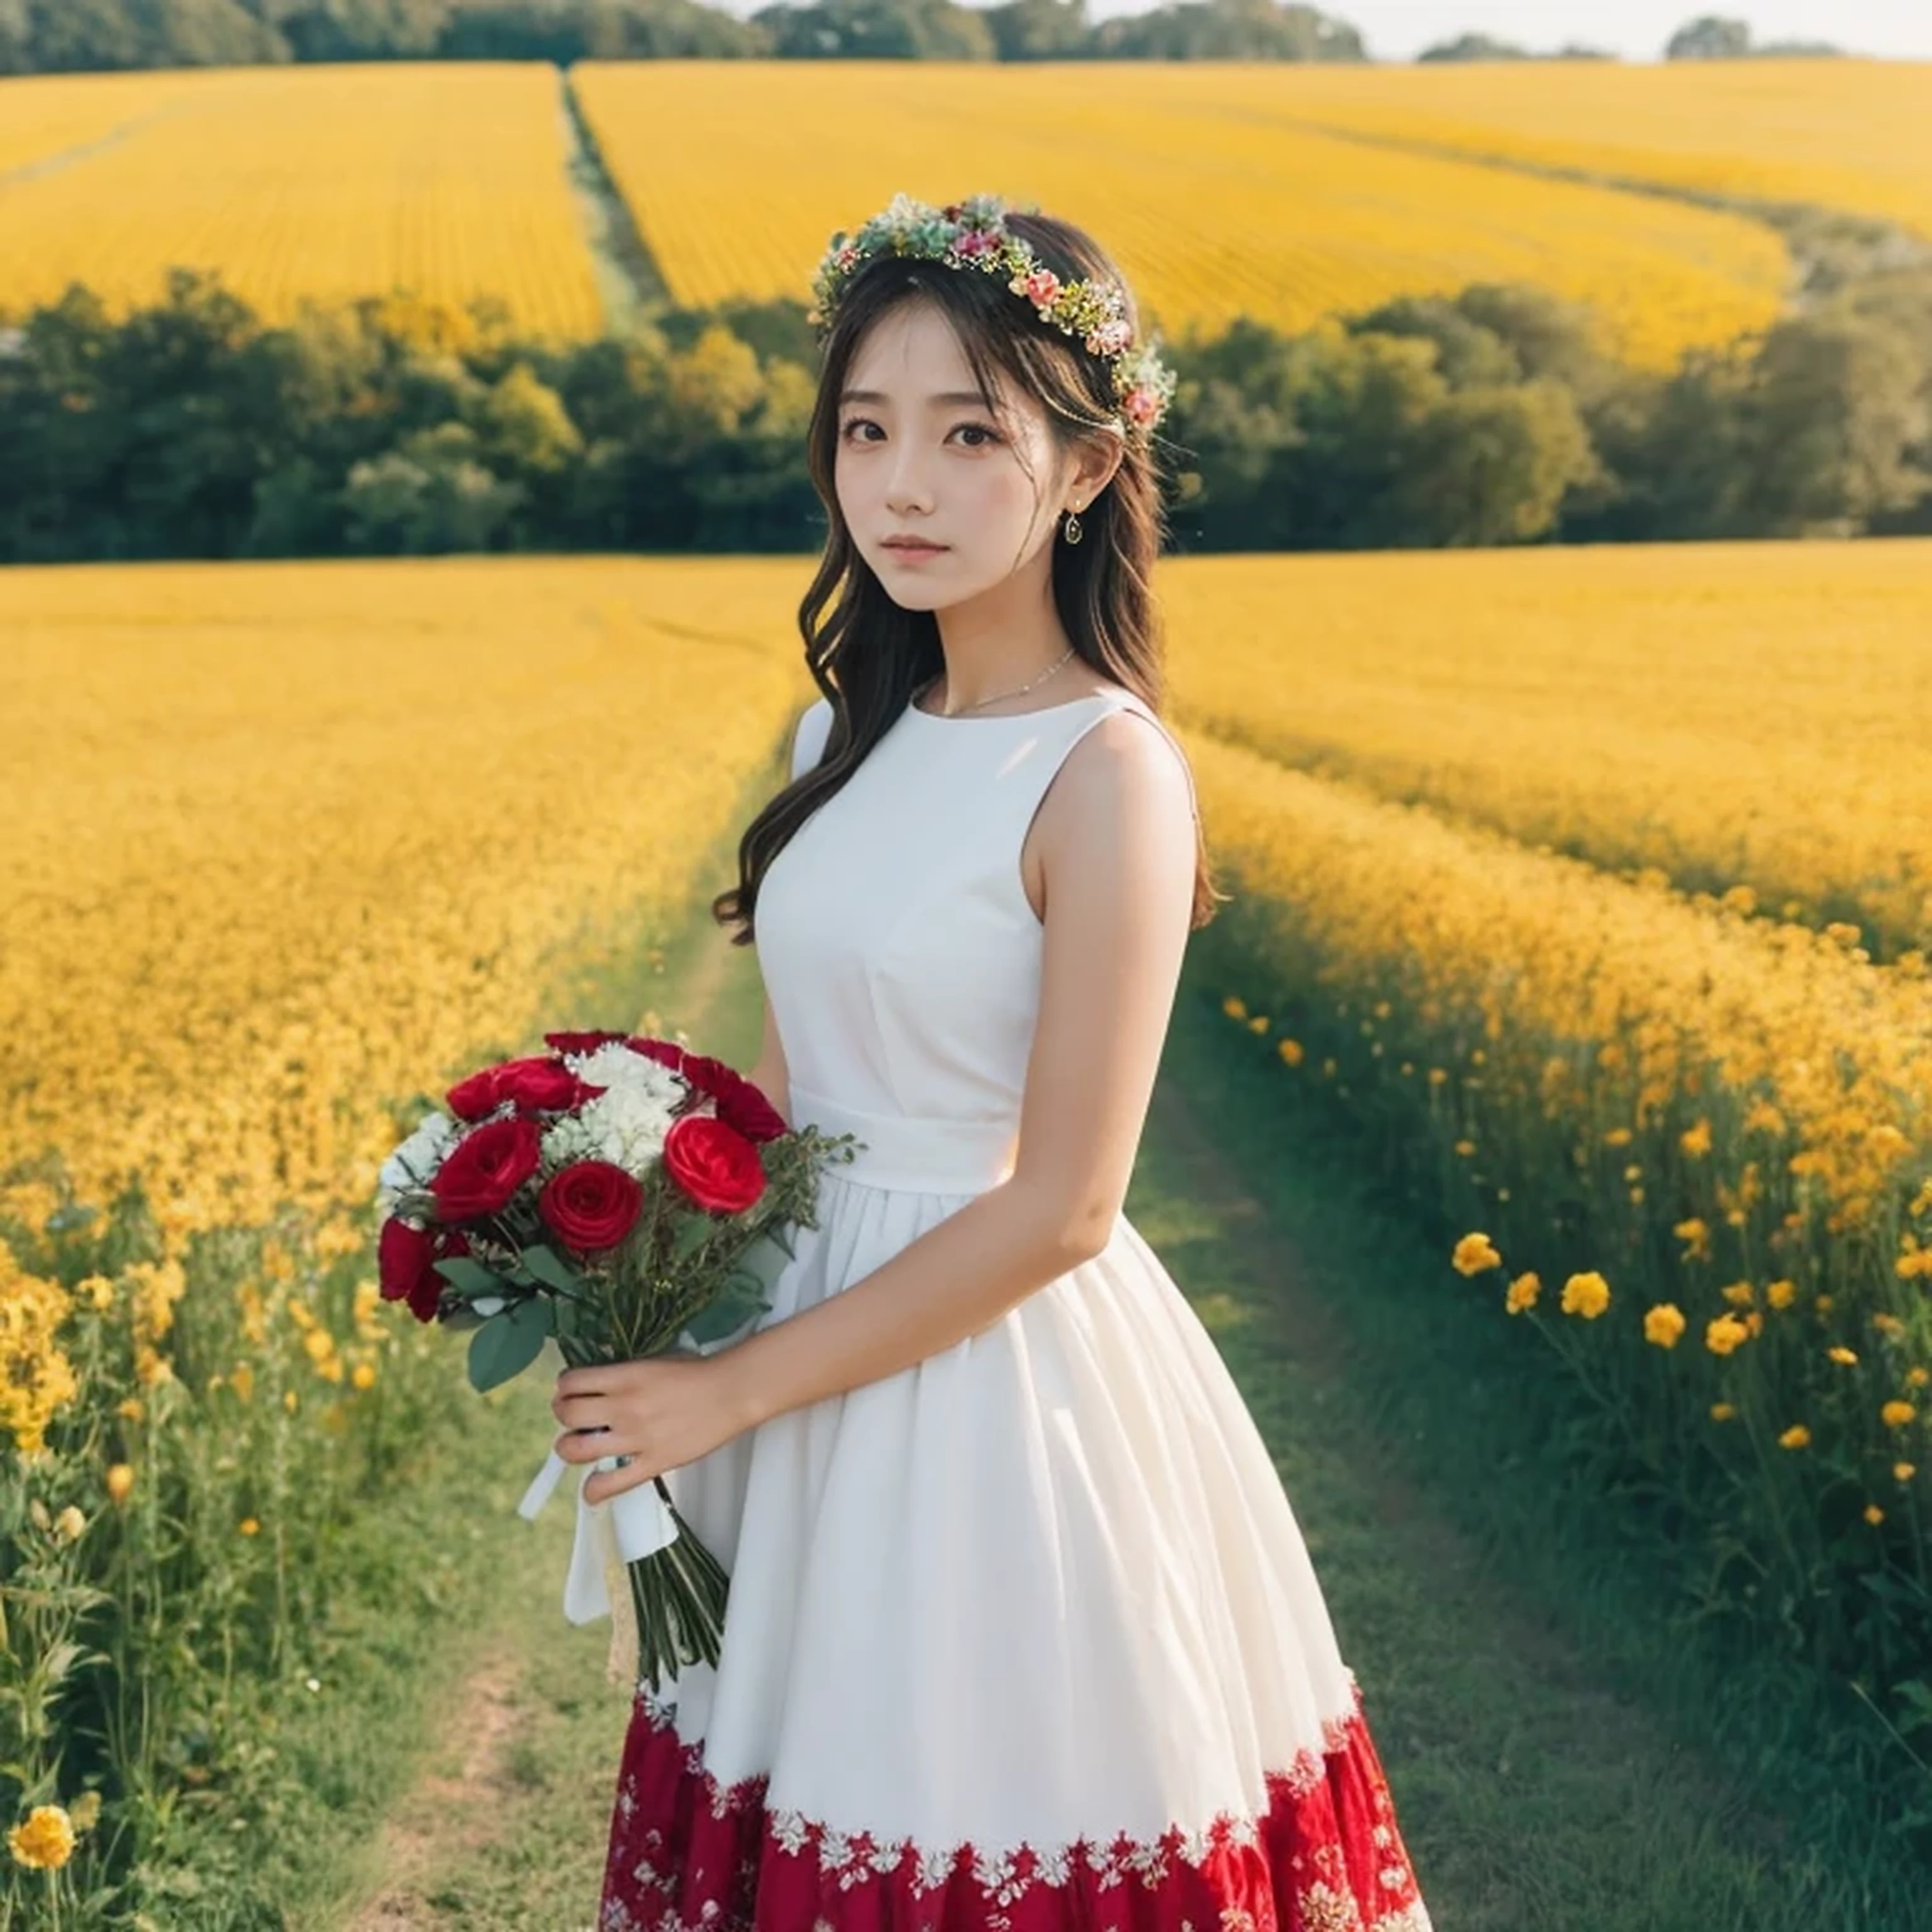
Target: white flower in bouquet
x: 627, y: 1125
x: 413, y: 1163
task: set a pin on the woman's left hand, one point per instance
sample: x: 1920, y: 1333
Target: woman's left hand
x: 662, y: 1412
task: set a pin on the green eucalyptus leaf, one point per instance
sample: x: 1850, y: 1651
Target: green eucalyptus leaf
x: 467, y: 1276
x: 550, y: 1268
x: 507, y: 1344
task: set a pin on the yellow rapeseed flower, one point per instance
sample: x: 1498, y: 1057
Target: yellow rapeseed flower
x: 363, y: 1375
x: 1739, y: 1294
x: 1696, y: 1141
x: 45, y: 1842
x: 1523, y: 1292
x: 1917, y: 1378
x: 1290, y: 1052
x: 249, y: 1526
x: 1873, y: 1514
x: 1697, y: 1235
x: 70, y: 1523
x: 120, y: 1479
x: 319, y: 1343
x: 1722, y: 1412
x: 1905, y: 1471
x: 1780, y: 1294
x: 1234, y: 1006
x: 1896, y: 1414
x: 1466, y: 1148
x: 1796, y: 1437
x: 1474, y: 1253
x: 1724, y: 1333
x: 1587, y: 1295
x: 1839, y: 1352
x: 1258, y: 1023
x: 241, y: 1379
x: 1663, y: 1324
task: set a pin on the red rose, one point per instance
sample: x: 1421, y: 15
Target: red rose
x: 404, y: 1256
x: 532, y: 1083
x: 740, y: 1104
x: 593, y: 1203
x: 479, y: 1174
x: 714, y: 1163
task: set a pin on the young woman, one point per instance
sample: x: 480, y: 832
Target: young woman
x: 1022, y: 1634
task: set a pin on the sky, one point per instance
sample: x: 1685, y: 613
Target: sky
x: 1637, y: 29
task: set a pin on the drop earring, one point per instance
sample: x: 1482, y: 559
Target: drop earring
x: 1073, y: 531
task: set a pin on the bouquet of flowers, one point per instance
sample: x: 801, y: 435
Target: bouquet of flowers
x: 623, y: 1197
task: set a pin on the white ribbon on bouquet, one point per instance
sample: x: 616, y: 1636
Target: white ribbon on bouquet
x: 640, y: 1521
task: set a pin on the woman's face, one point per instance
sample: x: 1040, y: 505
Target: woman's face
x: 920, y: 454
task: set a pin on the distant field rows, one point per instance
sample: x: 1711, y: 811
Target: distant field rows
x: 1849, y: 134
x: 1732, y: 714
x: 1215, y: 206
x: 326, y: 182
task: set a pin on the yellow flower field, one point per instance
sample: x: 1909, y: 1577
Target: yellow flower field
x: 286, y: 841
x: 1747, y: 715
x: 1849, y: 134
x: 448, y: 181
x: 1215, y: 208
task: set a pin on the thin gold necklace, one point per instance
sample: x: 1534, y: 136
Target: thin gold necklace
x: 998, y: 694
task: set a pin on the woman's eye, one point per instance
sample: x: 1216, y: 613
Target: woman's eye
x: 858, y: 422
x: 979, y: 429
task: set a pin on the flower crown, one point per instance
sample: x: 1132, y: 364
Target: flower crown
x: 973, y: 234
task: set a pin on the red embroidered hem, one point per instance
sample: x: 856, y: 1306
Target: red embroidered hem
x: 689, y: 1855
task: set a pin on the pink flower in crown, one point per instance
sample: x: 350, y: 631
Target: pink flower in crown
x: 1110, y: 337
x: 1039, y: 286
x: 973, y: 242
x: 847, y: 256
x: 1140, y: 404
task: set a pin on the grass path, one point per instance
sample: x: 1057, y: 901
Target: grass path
x: 1535, y: 1790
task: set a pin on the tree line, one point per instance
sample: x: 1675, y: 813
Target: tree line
x: 63, y: 36
x: 191, y: 428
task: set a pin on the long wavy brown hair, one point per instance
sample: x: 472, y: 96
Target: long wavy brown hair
x: 869, y: 655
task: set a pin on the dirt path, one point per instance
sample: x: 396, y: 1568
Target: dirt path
x: 448, y: 1813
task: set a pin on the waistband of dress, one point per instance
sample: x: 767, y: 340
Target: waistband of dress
x: 906, y: 1151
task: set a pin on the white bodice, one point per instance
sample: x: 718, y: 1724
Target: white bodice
x: 897, y: 946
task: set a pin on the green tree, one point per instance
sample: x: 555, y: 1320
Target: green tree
x: 1228, y: 30
x: 430, y: 494
x: 1838, y: 413
x: 1710, y: 36
x: 1493, y: 465
x: 1031, y: 30
x: 1474, y: 47
x: 875, y: 30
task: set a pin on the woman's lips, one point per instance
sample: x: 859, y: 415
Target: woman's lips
x: 906, y: 547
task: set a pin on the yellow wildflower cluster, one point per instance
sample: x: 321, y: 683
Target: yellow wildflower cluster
x: 36, y: 1377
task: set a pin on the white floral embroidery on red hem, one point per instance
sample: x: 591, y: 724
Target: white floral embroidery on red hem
x: 1005, y: 1873
x: 1324, y: 1895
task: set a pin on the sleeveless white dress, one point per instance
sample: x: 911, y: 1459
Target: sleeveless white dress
x: 1025, y: 1637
